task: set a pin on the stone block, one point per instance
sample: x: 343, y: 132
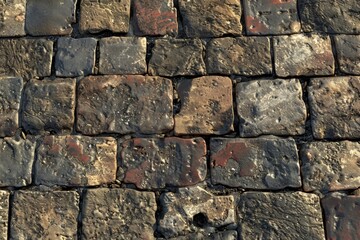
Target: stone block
x: 348, y: 53
x: 12, y: 18
x: 4, y: 214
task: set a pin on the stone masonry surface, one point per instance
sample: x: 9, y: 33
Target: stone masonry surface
x: 179, y: 119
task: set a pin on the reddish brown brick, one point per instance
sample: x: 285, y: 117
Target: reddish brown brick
x: 156, y: 163
x: 4, y: 214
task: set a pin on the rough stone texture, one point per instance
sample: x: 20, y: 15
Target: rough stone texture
x: 271, y: 17
x: 270, y: 107
x: 134, y: 104
x: 337, y: 16
x: 210, y: 18
x: 224, y: 235
x: 206, y: 106
x: 4, y: 210
x: 156, y: 163
x: 12, y: 18
x: 101, y: 15
x: 330, y: 166
x: 75, y: 57
x: 49, y: 106
x: 335, y: 107
x: 50, y: 17
x: 174, y: 57
x: 194, y: 210
x: 155, y: 17
x: 299, y: 54
x: 122, y: 55
x: 44, y: 215
x: 75, y: 161
x: 118, y: 214
x: 16, y: 162
x: 256, y: 163
x: 280, y: 216
x: 25, y: 58
x: 243, y: 55
x: 342, y: 219
x: 10, y: 96
x: 348, y: 53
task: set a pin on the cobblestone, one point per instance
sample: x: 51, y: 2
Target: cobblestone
x: 12, y: 22
x: 348, y: 53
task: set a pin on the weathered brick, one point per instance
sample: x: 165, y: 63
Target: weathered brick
x: 294, y: 215
x: 193, y: 210
x: 342, y: 219
x: 4, y: 211
x: 122, y: 55
x: 16, y: 162
x: 75, y: 161
x: 299, y: 54
x: 156, y: 163
x: 256, y: 163
x: 26, y: 58
x: 44, y: 215
x: 101, y: 15
x: 12, y: 18
x: 140, y: 104
x: 49, y: 106
x: 75, y: 57
x: 10, y: 96
x: 174, y: 57
x: 210, y: 18
x: 270, y: 107
x: 155, y: 17
x: 206, y: 106
x: 50, y: 17
x: 243, y: 55
x: 118, y: 214
x: 336, y: 16
x: 335, y: 107
x: 271, y: 17
x: 330, y: 166
x: 348, y: 53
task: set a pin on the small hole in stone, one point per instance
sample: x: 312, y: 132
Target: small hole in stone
x: 200, y: 220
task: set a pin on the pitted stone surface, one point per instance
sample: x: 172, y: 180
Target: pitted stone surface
x: 270, y: 107
x: 348, y: 53
x: 10, y: 96
x: 75, y: 57
x: 16, y: 162
x: 243, y: 56
x: 301, y: 55
x: 75, y: 161
x: 342, y: 219
x: 50, y: 17
x: 206, y: 106
x: 271, y: 17
x: 156, y: 163
x: 256, y: 163
x: 25, y: 58
x: 155, y: 17
x: 101, y: 15
x: 122, y: 55
x: 210, y: 18
x: 49, y: 106
x: 133, y: 104
x: 174, y: 57
x: 193, y: 210
x: 336, y: 16
x: 223, y: 235
x: 330, y: 166
x: 4, y: 211
x: 335, y: 107
x: 294, y: 215
x: 12, y: 18
x: 118, y: 214
x: 44, y: 215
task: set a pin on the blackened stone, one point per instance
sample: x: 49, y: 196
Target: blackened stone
x: 204, y: 235
x: 335, y: 107
x: 294, y: 215
x: 348, y: 53
x: 174, y: 57
x: 124, y: 104
x: 4, y: 214
x: 12, y: 18
x: 75, y: 57
x: 243, y: 55
x: 118, y: 214
x: 49, y: 106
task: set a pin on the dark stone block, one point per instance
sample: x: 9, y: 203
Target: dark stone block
x: 348, y: 53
